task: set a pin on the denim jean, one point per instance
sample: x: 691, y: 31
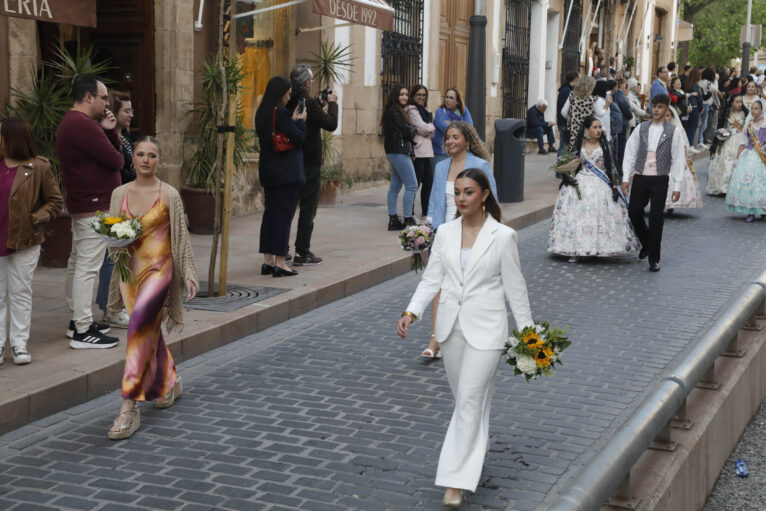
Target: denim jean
x: 564, y: 136
x: 402, y: 173
x: 691, y: 124
x: 104, y: 277
x: 539, y: 132
x: 703, y: 126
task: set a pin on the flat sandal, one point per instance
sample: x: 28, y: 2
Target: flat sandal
x: 129, y: 424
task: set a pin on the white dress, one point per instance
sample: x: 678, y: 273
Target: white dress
x: 691, y: 197
x: 594, y: 225
x: 451, y: 208
x: 722, y: 165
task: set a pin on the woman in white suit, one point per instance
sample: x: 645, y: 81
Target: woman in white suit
x: 474, y: 263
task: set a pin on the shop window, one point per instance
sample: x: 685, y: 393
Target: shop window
x: 403, y: 47
x: 261, y: 42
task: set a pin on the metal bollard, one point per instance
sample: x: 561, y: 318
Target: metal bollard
x: 680, y: 421
x: 622, y: 499
x: 663, y: 442
x: 761, y: 312
x: 752, y: 322
x: 708, y: 380
x: 732, y: 349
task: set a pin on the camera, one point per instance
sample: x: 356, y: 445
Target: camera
x: 324, y: 93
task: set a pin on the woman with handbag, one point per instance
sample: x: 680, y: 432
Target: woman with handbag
x: 590, y: 217
x: 280, y: 169
x: 398, y: 136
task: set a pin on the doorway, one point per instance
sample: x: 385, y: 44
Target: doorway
x: 125, y: 36
x: 454, y: 31
x: 659, y: 19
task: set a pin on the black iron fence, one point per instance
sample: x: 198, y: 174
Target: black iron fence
x: 402, y: 48
x: 570, y: 52
x: 518, y: 14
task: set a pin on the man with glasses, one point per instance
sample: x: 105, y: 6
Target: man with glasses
x: 87, y: 145
x: 660, y: 84
x: 317, y: 120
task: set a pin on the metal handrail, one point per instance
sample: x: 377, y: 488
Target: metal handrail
x: 597, y: 481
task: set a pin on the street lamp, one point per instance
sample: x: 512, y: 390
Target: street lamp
x: 745, y: 68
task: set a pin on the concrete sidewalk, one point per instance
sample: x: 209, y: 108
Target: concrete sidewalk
x: 352, y: 238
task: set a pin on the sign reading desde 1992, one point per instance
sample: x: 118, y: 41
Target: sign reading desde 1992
x: 352, y: 12
x: 72, y: 12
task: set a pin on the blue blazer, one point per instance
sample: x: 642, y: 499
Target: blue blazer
x: 437, y: 202
x: 442, y: 117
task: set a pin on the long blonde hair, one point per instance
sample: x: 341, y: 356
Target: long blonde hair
x: 475, y: 144
x: 584, y: 87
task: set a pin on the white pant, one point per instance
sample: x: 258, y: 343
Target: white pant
x: 16, y: 271
x: 471, y: 376
x: 84, y: 262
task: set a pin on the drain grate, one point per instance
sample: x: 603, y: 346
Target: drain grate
x: 236, y: 297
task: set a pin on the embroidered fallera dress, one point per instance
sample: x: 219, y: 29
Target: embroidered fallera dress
x: 690, y: 188
x: 594, y: 225
x: 149, y: 368
x: 747, y: 187
x: 721, y: 167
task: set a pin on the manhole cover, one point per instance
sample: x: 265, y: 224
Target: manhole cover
x: 367, y: 204
x: 236, y: 297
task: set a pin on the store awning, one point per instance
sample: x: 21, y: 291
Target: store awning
x: 372, y: 13
x: 71, y: 12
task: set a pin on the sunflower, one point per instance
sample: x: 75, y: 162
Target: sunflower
x: 532, y: 340
x: 543, y: 357
x: 111, y: 220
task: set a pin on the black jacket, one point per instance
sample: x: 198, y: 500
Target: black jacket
x: 564, y: 92
x: 286, y: 167
x: 316, y: 121
x: 535, y: 119
x: 397, y: 134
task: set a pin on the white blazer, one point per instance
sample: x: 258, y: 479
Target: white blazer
x: 476, y: 296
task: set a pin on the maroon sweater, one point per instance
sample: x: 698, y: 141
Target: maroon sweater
x: 90, y: 162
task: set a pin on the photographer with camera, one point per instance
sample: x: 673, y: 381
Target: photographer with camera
x: 317, y: 119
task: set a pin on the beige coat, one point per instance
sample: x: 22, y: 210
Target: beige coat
x: 183, y: 259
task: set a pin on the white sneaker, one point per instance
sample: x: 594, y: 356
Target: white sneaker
x: 20, y: 355
x: 692, y: 150
x: 121, y: 320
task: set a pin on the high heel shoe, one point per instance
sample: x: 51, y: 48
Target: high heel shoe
x: 453, y: 501
x: 267, y: 269
x: 281, y: 272
x: 169, y: 399
x: 129, y: 424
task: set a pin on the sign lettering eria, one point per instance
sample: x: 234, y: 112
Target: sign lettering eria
x: 36, y: 8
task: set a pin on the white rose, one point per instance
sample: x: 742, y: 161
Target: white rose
x: 526, y: 364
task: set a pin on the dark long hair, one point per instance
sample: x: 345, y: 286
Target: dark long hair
x: 600, y: 89
x: 272, y: 97
x: 722, y: 119
x: 577, y: 147
x: 392, y: 100
x: 691, y: 80
x: 424, y: 113
x: 491, y: 205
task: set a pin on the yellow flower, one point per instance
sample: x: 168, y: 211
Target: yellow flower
x: 111, y: 220
x: 532, y: 340
x: 543, y: 357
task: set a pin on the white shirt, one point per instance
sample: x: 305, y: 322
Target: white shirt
x: 451, y: 208
x: 678, y: 163
x: 465, y: 253
x: 603, y: 117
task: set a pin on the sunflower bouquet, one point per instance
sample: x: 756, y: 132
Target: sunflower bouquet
x: 416, y: 239
x: 118, y: 232
x: 535, y: 350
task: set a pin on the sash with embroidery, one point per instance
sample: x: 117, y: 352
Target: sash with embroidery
x: 600, y: 174
x: 691, y: 169
x: 756, y: 145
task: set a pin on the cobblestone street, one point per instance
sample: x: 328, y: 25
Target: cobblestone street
x: 332, y: 411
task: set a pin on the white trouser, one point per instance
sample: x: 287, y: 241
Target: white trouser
x: 84, y: 262
x: 471, y: 376
x: 16, y: 272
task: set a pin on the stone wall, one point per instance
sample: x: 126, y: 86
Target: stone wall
x: 23, y: 52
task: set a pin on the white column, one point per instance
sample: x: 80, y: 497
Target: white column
x: 495, y: 62
x: 551, y: 64
x: 537, y: 51
x: 343, y: 38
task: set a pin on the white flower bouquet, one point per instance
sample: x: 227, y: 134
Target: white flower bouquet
x: 119, y: 232
x: 723, y: 133
x: 535, y: 350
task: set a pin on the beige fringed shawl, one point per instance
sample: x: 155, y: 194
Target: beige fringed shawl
x: 183, y: 259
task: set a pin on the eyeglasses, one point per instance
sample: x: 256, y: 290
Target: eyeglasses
x: 421, y: 95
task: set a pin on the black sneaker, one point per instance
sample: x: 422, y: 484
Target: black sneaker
x: 409, y: 221
x: 395, y: 223
x: 104, y: 328
x: 542, y: 151
x: 92, y: 339
x: 307, y: 260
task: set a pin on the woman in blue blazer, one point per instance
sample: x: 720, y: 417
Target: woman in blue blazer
x: 466, y: 151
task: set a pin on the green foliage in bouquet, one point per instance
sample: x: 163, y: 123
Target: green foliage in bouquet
x: 536, y: 349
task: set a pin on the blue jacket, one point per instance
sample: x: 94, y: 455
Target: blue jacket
x: 624, y: 106
x: 442, y: 118
x: 657, y: 88
x: 535, y: 119
x: 437, y: 202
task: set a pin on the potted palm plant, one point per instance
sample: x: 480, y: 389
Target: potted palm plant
x: 201, y: 172
x: 44, y: 104
x: 331, y: 173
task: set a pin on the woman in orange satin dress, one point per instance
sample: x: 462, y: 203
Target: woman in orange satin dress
x: 161, y: 266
